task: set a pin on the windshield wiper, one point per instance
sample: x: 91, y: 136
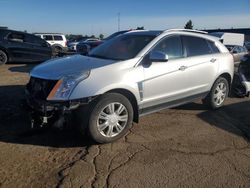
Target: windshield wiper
x: 103, y: 57
x: 98, y: 56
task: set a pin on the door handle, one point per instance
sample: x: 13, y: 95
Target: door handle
x: 182, y: 68
x: 213, y: 60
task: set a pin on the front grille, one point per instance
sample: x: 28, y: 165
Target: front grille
x: 40, y: 88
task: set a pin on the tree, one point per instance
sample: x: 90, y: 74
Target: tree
x: 101, y: 36
x: 189, y: 25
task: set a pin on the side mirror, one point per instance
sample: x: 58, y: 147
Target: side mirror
x: 158, y: 56
x: 235, y: 52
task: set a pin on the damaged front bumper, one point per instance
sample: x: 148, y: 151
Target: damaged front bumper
x: 52, y: 113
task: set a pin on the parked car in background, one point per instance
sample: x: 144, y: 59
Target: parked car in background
x: 238, y: 52
x: 16, y: 46
x: 72, y: 45
x: 116, y: 34
x: 133, y: 74
x: 84, y: 47
x: 230, y: 38
x: 57, y: 41
x: 247, y: 45
x: 72, y: 42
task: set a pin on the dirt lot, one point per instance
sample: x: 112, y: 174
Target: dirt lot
x: 187, y: 146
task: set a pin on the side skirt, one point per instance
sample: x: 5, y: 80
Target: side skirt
x: 171, y: 104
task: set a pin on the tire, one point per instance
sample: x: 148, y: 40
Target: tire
x: 107, y: 119
x: 219, y: 92
x: 3, y: 57
x: 57, y: 50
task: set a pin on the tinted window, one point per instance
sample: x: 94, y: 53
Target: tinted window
x: 58, y: 37
x: 195, y: 46
x: 47, y: 37
x: 122, y: 47
x: 237, y: 49
x: 171, y: 46
x: 213, y: 47
x: 18, y: 37
x: 34, y: 40
x: 242, y: 49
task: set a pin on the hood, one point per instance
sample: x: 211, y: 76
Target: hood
x: 55, y: 69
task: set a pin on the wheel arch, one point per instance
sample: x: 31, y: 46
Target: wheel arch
x: 130, y: 96
x: 56, y: 45
x: 228, y: 77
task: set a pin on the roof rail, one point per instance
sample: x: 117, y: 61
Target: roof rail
x: 187, y: 30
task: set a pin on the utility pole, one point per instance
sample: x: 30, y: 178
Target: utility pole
x: 119, y: 21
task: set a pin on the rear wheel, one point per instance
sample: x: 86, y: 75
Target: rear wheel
x: 57, y: 50
x: 3, y: 57
x: 110, y: 117
x: 218, y: 93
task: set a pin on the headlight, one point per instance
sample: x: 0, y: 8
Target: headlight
x: 65, y: 86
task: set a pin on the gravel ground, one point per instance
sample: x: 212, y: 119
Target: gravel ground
x: 187, y: 146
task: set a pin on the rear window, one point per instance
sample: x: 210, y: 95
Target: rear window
x: 243, y: 49
x: 47, y: 37
x: 34, y: 40
x: 195, y: 46
x: 18, y: 37
x: 213, y: 47
x: 58, y: 37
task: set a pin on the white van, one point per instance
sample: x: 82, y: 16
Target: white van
x: 57, y: 41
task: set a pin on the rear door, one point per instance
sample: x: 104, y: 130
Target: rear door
x: 20, y: 50
x: 202, y: 57
x: 40, y: 49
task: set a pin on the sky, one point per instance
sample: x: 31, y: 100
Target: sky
x: 101, y: 16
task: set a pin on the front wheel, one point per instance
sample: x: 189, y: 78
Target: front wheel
x: 110, y: 117
x: 218, y: 93
x: 3, y: 57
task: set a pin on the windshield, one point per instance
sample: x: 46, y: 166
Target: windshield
x: 122, y: 47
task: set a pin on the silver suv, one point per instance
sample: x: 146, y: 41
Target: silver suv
x: 131, y: 75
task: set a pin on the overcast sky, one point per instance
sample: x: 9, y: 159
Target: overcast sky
x: 95, y: 17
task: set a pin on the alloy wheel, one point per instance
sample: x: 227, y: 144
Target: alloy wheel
x: 220, y: 93
x: 112, y: 119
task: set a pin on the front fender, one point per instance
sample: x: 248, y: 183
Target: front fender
x: 84, y: 90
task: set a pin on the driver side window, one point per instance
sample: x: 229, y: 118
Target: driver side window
x: 171, y: 46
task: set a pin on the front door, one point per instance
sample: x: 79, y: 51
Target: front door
x: 165, y: 81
